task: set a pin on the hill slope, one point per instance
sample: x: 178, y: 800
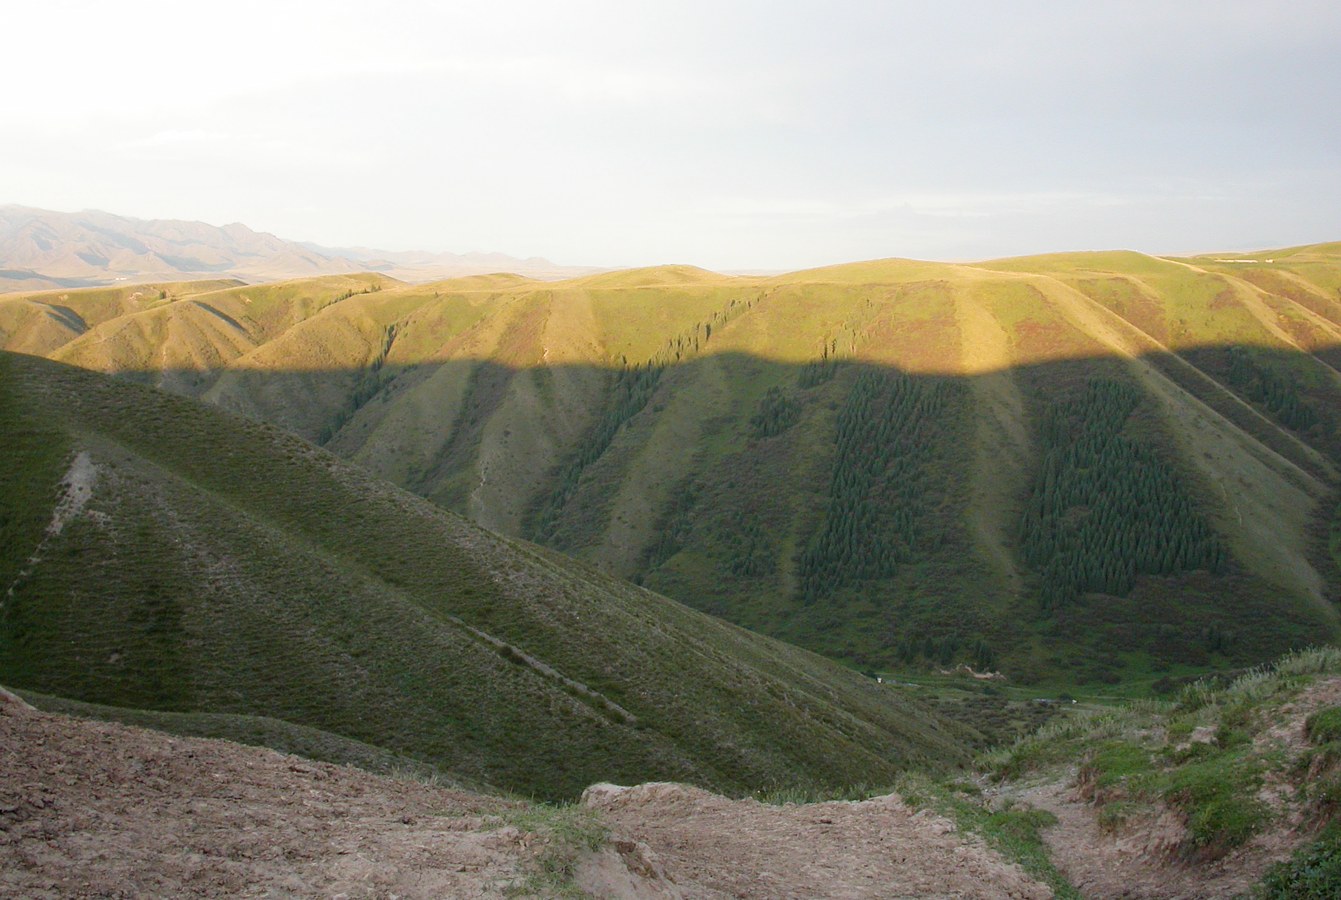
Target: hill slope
x: 1076, y: 467
x: 160, y: 554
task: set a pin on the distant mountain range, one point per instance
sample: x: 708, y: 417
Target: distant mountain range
x: 41, y: 249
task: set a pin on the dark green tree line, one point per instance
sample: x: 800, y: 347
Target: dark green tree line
x: 632, y: 389
x: 749, y: 552
x: 674, y: 526
x: 369, y: 384
x: 879, y: 489
x: 778, y: 411
x: 818, y: 371
x: 1268, y: 387
x: 1106, y: 508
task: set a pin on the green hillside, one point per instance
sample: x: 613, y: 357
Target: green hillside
x: 1225, y: 777
x: 1087, y: 467
x: 159, y: 554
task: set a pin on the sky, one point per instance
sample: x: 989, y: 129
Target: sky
x: 731, y: 135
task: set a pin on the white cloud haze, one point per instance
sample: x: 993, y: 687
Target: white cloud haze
x: 727, y: 134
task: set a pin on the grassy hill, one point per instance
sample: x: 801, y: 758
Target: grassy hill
x: 1081, y: 467
x: 159, y: 554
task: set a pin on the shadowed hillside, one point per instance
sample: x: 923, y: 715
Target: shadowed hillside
x: 161, y: 554
x: 1082, y: 466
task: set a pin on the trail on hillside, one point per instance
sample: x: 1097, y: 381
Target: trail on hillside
x: 1145, y: 859
x: 76, y: 491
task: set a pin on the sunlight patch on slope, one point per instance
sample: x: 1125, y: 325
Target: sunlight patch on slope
x: 1002, y: 448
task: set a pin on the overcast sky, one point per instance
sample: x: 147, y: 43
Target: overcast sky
x: 733, y: 135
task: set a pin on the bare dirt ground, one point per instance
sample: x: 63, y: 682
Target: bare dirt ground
x: 1140, y: 862
x: 92, y: 809
x: 89, y: 809
x: 713, y: 847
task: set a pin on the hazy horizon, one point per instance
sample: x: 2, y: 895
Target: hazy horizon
x: 733, y: 136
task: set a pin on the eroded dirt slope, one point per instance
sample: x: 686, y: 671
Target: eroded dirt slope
x: 97, y: 809
x: 90, y: 809
x: 1149, y: 857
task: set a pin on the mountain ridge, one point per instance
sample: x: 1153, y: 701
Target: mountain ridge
x: 695, y: 432
x: 44, y: 249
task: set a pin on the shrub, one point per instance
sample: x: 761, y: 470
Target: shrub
x: 1313, y: 873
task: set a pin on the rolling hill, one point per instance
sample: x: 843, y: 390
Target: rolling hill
x: 160, y: 555
x: 1086, y: 467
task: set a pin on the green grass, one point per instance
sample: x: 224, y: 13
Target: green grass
x: 1201, y: 755
x: 492, y: 388
x: 1324, y: 726
x: 225, y: 567
x: 568, y: 833
x: 1313, y: 873
x: 1218, y: 794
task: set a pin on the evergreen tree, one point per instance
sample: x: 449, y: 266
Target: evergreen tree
x: 1106, y: 508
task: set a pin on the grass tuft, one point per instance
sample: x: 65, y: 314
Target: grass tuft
x: 1324, y: 726
x: 569, y: 833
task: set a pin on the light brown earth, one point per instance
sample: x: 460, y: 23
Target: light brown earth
x: 1143, y: 860
x: 91, y: 809
x: 714, y: 847
x: 1140, y: 862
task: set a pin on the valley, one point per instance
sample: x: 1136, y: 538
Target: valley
x: 160, y: 554
x: 896, y: 464
x: 832, y: 553
x: 791, y: 451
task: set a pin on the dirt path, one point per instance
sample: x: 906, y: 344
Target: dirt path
x: 76, y: 491
x: 1136, y: 864
x: 1142, y: 860
x: 713, y: 847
